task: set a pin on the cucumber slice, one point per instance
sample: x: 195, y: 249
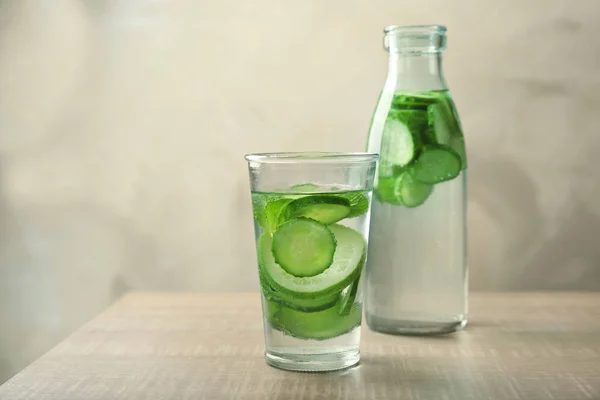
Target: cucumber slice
x: 445, y: 128
x: 397, y: 147
x: 412, y: 102
x: 319, y: 325
x: 324, y: 209
x: 270, y: 312
x: 305, y: 188
x: 402, y: 139
x: 411, y: 192
x: 437, y: 163
x: 386, y: 190
x: 300, y: 304
x: 303, y: 247
x: 439, y: 124
x: 416, y: 120
x: 348, y: 295
x: 403, y: 190
x: 349, y: 254
x: 457, y: 143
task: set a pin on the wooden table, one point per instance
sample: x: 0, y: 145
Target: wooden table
x: 210, y: 346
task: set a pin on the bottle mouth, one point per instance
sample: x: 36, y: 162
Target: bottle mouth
x: 415, y: 38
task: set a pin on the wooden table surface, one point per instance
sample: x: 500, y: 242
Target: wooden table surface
x: 210, y: 346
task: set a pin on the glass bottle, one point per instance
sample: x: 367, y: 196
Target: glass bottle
x: 417, y: 270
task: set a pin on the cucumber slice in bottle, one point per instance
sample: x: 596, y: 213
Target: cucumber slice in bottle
x: 439, y: 124
x: 457, y: 142
x: 319, y: 325
x: 303, y: 247
x: 386, y: 190
x: 349, y: 255
x: 398, y: 146
x: 416, y: 120
x: 437, y: 163
x: 411, y: 192
x: 412, y: 102
x: 445, y: 128
x: 324, y: 209
x: 402, y: 139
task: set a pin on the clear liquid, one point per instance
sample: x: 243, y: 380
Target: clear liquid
x: 326, y: 351
x: 417, y: 271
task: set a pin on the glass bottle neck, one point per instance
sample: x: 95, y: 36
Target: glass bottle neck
x: 410, y: 71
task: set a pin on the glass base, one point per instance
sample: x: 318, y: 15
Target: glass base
x: 313, y: 362
x: 415, y: 328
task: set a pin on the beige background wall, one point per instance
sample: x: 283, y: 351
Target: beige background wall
x: 123, y: 124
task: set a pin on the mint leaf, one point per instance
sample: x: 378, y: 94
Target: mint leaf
x: 359, y: 204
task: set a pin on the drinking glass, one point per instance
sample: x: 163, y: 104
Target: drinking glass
x: 311, y: 219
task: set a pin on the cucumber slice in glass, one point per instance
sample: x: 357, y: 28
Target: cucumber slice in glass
x: 319, y: 325
x: 348, y: 295
x: 324, y: 209
x: 410, y: 192
x: 271, y: 311
x: 305, y: 188
x: 303, y: 247
x: 437, y: 163
x: 349, y: 255
x: 300, y: 304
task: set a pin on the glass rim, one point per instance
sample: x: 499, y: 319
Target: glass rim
x: 312, y: 157
x: 414, y: 29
